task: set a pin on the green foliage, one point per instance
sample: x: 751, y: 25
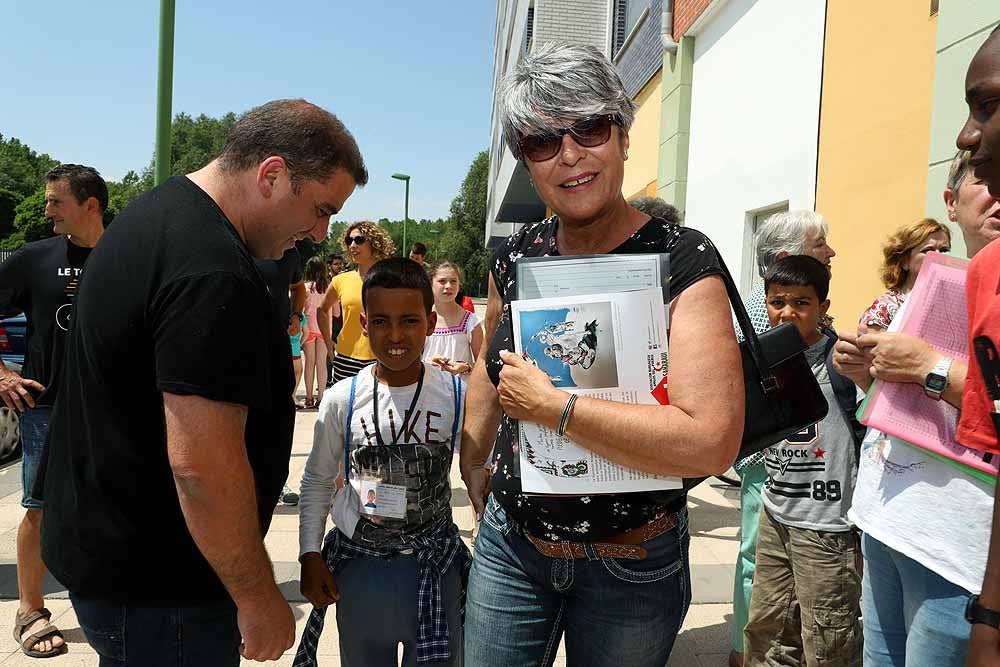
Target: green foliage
x: 8, y: 202
x: 194, y: 142
x: 121, y: 193
x: 423, y: 231
x: 22, y: 170
x: 30, y: 223
x: 462, y: 240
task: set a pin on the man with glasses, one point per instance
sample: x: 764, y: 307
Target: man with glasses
x: 170, y: 442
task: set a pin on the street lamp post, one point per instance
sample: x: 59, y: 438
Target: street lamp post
x: 406, y: 206
x: 164, y: 93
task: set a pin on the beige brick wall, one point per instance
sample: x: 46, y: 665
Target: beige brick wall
x: 574, y: 21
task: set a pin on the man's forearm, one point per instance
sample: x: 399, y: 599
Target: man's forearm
x: 220, y: 510
x: 990, y: 596
x: 206, y: 450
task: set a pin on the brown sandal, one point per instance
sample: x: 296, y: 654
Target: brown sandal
x: 22, y: 621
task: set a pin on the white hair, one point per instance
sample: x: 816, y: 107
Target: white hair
x: 787, y: 232
x: 557, y: 85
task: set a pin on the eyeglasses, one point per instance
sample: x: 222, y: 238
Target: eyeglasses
x: 354, y: 240
x: 589, y: 133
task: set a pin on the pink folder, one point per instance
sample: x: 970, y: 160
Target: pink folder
x: 936, y: 312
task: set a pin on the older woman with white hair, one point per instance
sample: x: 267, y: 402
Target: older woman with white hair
x: 610, y: 571
x: 798, y: 232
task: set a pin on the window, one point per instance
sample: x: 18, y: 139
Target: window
x: 529, y: 29
x: 619, y: 26
x: 749, y: 275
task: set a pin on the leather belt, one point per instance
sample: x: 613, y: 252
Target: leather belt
x: 626, y: 545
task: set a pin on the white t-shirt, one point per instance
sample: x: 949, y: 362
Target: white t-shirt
x: 924, y: 508
x: 434, y: 420
x: 455, y: 343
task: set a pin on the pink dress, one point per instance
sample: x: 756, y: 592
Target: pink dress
x: 313, y: 300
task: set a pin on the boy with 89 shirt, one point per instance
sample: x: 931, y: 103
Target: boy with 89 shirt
x: 807, y: 587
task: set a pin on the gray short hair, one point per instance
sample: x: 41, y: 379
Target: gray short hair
x: 559, y: 84
x: 655, y: 207
x: 786, y: 232
x: 958, y: 171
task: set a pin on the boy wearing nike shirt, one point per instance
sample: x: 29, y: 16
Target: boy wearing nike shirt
x: 805, y: 603
x: 394, y: 553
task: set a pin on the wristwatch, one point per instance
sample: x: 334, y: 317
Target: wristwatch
x: 976, y: 613
x: 937, y: 380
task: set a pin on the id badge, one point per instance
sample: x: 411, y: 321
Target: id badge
x: 382, y: 500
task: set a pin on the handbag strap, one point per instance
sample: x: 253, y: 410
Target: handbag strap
x: 767, y: 380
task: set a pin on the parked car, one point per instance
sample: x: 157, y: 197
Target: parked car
x: 12, y: 349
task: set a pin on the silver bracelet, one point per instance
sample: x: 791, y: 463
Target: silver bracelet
x: 567, y: 411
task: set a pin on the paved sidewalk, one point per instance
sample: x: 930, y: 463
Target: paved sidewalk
x: 703, y: 642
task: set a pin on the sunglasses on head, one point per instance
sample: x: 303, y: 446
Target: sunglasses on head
x: 589, y: 133
x: 350, y: 240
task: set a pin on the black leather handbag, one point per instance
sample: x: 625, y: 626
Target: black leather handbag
x: 782, y: 394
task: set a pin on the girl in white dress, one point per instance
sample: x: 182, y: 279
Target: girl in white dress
x: 458, y: 336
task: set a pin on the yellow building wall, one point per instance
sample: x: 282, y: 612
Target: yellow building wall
x: 644, y: 142
x: 874, y: 138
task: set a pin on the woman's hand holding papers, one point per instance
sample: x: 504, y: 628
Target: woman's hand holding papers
x: 527, y: 392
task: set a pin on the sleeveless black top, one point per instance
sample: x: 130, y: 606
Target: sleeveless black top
x: 599, y: 516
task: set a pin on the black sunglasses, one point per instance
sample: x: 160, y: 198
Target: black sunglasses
x: 589, y: 133
x: 358, y: 240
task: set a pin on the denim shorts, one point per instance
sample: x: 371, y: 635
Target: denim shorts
x: 34, y: 430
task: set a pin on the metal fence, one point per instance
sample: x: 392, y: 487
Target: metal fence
x: 4, y: 254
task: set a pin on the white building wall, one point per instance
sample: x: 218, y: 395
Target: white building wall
x: 754, y: 119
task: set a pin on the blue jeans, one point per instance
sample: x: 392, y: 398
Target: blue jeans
x: 912, y: 616
x: 131, y: 636
x: 34, y: 430
x: 378, y: 611
x: 614, y: 612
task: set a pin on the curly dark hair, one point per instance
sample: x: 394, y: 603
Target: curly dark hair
x: 381, y: 243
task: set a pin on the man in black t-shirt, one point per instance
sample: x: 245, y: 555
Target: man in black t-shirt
x: 170, y: 442
x: 41, y: 280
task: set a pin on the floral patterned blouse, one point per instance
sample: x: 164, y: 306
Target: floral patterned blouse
x: 883, y: 309
x: 594, y: 517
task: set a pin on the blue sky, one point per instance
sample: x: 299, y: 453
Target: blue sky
x: 411, y: 80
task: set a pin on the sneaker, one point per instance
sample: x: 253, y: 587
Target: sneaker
x: 288, y: 496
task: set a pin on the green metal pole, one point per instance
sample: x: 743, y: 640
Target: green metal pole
x: 164, y: 92
x: 406, y: 217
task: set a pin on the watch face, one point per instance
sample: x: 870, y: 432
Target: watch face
x: 935, y: 382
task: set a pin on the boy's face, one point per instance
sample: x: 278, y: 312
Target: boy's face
x: 397, y: 324
x: 798, y: 305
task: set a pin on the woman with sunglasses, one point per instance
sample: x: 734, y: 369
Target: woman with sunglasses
x: 364, y: 243
x: 610, y: 572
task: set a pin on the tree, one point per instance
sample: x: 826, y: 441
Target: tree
x: 194, y: 142
x: 462, y: 240
x: 30, y: 223
x: 121, y: 193
x: 22, y: 170
x: 8, y: 202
